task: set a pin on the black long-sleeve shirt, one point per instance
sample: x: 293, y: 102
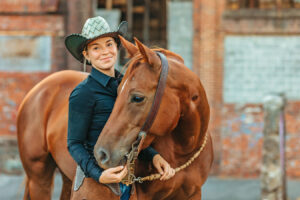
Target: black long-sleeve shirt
x: 90, y: 105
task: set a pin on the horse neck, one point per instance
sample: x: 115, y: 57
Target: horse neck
x: 189, y: 134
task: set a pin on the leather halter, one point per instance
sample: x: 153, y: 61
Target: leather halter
x: 158, y: 94
x: 136, y: 146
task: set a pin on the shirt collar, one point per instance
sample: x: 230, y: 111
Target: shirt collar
x: 102, y: 78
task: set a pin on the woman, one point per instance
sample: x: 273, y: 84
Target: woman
x: 91, y: 103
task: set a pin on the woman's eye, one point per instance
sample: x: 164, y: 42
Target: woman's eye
x: 95, y: 48
x: 109, y: 44
x: 137, y: 99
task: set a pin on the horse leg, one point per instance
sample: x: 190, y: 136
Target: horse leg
x: 39, y: 179
x: 66, y: 188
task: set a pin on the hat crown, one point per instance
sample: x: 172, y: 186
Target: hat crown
x: 95, y: 27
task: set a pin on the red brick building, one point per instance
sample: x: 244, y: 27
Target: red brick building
x: 241, y: 50
x: 231, y: 68
x: 32, y: 46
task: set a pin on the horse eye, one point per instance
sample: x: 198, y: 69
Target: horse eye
x: 137, y: 99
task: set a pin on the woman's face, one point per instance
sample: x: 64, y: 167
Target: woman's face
x: 102, y: 54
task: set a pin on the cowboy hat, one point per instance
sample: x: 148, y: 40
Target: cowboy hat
x: 93, y: 29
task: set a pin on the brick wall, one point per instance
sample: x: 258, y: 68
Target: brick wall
x: 28, y: 6
x: 78, y: 12
x: 208, y: 61
x: 237, y: 114
x: 32, y: 36
x: 242, y: 138
x: 31, y: 41
x: 13, y: 88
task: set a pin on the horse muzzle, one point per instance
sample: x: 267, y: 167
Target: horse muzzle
x: 107, y: 160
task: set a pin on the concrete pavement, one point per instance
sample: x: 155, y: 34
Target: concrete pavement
x: 12, y: 187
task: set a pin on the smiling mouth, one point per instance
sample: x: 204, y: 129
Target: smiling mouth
x: 105, y: 59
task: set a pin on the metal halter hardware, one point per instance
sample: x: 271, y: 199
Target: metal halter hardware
x: 131, y: 158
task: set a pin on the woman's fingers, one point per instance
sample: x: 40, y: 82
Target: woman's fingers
x: 169, y: 173
x: 160, y: 169
x: 115, y: 169
x: 166, y: 171
x: 157, y: 162
x: 120, y: 175
x: 163, y: 167
x: 123, y: 173
x: 172, y: 173
x: 113, y: 175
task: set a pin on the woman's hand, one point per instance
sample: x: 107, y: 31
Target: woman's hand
x: 163, y: 167
x: 113, y: 175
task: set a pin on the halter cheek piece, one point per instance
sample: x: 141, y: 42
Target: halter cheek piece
x: 136, y: 146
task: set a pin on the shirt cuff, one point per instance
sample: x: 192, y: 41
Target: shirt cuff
x: 147, y: 154
x: 96, y: 173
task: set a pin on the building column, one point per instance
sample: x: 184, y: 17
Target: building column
x: 78, y: 12
x: 208, y: 62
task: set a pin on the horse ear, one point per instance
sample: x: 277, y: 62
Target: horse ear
x: 131, y: 48
x: 149, y: 55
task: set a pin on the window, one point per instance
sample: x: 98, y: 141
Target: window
x: 262, y: 4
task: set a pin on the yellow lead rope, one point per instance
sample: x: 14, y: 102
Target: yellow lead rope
x: 156, y: 176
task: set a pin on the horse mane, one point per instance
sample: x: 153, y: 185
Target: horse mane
x: 170, y: 54
x: 130, y: 65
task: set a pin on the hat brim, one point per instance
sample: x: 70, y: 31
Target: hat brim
x: 110, y: 34
x: 75, y: 43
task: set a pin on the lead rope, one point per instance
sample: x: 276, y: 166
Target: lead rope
x: 130, y: 178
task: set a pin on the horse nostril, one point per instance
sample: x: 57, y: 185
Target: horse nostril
x: 103, y: 155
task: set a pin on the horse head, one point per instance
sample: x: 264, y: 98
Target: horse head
x: 183, y: 114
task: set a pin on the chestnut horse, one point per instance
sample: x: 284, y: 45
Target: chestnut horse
x: 177, y: 133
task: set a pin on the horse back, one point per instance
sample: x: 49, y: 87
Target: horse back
x: 47, y: 101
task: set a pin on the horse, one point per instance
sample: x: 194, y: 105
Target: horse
x: 179, y: 130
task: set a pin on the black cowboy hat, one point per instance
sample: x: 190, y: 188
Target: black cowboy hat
x: 93, y: 28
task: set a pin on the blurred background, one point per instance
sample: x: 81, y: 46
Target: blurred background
x: 242, y: 50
